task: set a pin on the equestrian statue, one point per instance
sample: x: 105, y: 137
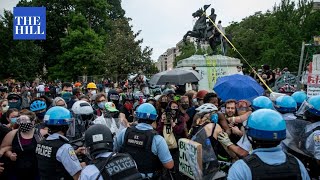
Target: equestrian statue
x: 204, y: 30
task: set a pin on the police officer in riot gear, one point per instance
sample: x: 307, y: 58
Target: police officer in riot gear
x: 56, y: 157
x: 106, y: 164
x: 265, y: 130
x: 312, y: 141
x: 287, y: 106
x: 143, y: 143
x: 83, y: 113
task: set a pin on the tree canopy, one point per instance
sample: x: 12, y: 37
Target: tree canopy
x: 273, y: 37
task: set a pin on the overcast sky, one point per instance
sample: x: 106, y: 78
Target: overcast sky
x: 164, y: 22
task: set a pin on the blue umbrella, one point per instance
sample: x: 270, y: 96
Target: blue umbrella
x: 238, y: 87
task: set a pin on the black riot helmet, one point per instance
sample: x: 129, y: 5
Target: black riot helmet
x: 98, y: 139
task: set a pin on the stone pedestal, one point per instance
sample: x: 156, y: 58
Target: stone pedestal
x: 210, y: 68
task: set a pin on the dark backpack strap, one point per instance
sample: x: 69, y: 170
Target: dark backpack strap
x: 252, y: 161
x: 150, y: 139
x: 317, y: 128
x: 293, y: 161
x: 102, y: 165
x: 214, y: 127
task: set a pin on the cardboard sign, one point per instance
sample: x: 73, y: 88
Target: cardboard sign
x: 314, y: 77
x: 194, y: 156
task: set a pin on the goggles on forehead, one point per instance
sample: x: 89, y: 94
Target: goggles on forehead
x: 23, y: 119
x: 114, y: 97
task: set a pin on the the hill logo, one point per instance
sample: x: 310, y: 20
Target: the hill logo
x: 29, y: 23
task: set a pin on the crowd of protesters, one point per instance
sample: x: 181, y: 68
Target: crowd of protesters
x: 143, y: 125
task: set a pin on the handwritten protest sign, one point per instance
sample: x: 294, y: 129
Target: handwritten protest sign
x: 190, y: 156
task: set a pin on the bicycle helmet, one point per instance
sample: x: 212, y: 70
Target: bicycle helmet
x: 82, y: 107
x: 207, y: 108
x: 168, y: 91
x: 38, y: 106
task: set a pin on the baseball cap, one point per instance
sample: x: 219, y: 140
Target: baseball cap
x: 110, y: 106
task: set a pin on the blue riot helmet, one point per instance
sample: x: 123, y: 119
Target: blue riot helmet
x: 146, y: 111
x: 286, y: 104
x: 262, y: 102
x: 59, y: 118
x: 299, y: 97
x: 266, y: 125
x: 314, y: 103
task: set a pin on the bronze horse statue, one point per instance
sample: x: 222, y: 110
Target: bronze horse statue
x: 204, y: 30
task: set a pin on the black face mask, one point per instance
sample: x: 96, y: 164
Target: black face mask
x: 164, y: 105
x: 41, y: 115
x: 185, y: 106
x: 174, y: 112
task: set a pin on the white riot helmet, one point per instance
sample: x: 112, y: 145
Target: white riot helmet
x: 206, y: 108
x: 82, y: 108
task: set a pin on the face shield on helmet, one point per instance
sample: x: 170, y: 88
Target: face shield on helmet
x: 303, y: 108
x: 82, y: 111
x: 312, y: 106
x: 146, y: 111
x: 60, y: 116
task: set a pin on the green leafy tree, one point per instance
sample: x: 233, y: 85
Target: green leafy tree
x: 82, y: 51
x: 275, y: 37
x: 19, y: 59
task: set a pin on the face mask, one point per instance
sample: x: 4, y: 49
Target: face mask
x: 66, y: 96
x: 25, y: 127
x: 28, y: 94
x: 174, y: 112
x: 13, y: 120
x: 101, y: 104
x: 164, y: 105
x: 93, y: 92
x: 128, y: 106
x: 116, y: 102
x: 5, y: 109
x: 214, y: 118
x: 185, y: 106
x: 41, y: 115
x: 194, y: 101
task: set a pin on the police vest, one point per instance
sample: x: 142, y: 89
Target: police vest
x: 289, y: 170
x: 138, y: 144
x: 49, y: 167
x: 117, y: 166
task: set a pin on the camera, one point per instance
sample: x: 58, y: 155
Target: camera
x: 3, y: 89
x: 167, y: 122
